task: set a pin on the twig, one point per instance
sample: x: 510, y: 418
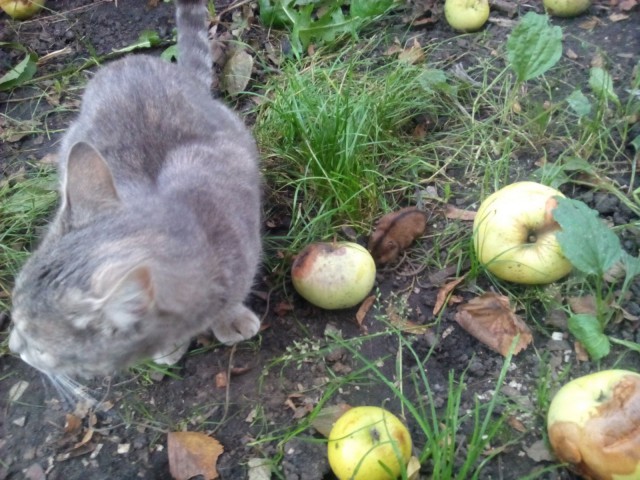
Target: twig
x: 227, y: 395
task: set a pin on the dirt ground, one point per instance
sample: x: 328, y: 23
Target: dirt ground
x: 268, y: 395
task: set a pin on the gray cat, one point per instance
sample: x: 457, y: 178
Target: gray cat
x: 157, y: 237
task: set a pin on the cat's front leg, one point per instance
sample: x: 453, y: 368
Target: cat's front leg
x: 172, y: 355
x: 236, y: 325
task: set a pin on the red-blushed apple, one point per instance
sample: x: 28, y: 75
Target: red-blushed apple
x: 333, y: 275
x: 368, y: 443
x: 21, y: 9
x: 594, y: 425
x: 566, y: 8
x: 515, y: 234
x: 466, y: 15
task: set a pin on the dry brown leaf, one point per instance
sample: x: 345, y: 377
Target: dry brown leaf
x: 454, y: 213
x: 221, y: 380
x: 413, y: 468
x: 72, y: 424
x: 327, y: 416
x: 571, y: 54
x: 586, y: 304
x: 516, y: 424
x: 444, y: 292
x: 364, y: 309
x: 191, y: 454
x: 618, y: 17
x: 491, y: 319
x: 282, y: 308
x: 581, y: 353
x: 627, y: 5
x: 237, y: 72
x: 589, y: 24
x: 394, y: 233
x: 393, y: 49
x: 413, y: 54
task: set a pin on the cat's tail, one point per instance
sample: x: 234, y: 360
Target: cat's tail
x: 194, y: 51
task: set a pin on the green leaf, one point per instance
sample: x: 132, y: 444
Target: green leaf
x: 627, y: 344
x: 147, y: 39
x: 170, y: 53
x: 602, y: 84
x: 369, y: 8
x: 533, y: 46
x: 21, y: 73
x: 635, y: 143
x: 587, y: 329
x: 587, y: 243
x: 631, y: 269
x: 579, y: 103
x: 270, y: 15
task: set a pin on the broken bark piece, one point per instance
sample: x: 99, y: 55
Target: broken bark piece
x: 395, y: 232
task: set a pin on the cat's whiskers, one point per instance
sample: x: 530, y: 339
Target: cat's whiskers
x: 71, y: 391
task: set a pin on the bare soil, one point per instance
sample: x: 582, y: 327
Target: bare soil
x: 127, y: 432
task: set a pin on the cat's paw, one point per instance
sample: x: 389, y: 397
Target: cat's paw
x: 172, y: 355
x: 241, y: 324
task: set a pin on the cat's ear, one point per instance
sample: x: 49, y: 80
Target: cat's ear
x: 89, y: 187
x: 132, y: 297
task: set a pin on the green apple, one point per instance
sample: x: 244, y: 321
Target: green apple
x: 515, y: 234
x: 368, y: 443
x: 566, y: 8
x: 594, y: 425
x: 334, y: 275
x: 21, y: 9
x: 466, y: 15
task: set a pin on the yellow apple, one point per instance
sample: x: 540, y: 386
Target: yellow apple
x: 466, y: 15
x: 21, y: 9
x: 334, y: 275
x: 594, y: 425
x: 366, y: 443
x: 566, y: 8
x: 515, y: 234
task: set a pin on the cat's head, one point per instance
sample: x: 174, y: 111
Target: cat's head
x: 84, y: 301
x: 70, y: 320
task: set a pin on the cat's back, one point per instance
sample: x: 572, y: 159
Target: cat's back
x: 137, y: 109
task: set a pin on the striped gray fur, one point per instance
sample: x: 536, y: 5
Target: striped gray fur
x: 157, y: 236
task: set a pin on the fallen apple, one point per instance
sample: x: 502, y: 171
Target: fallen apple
x: 566, y: 8
x: 21, y: 9
x: 594, y: 425
x: 368, y: 443
x: 334, y: 275
x: 515, y: 234
x: 466, y: 15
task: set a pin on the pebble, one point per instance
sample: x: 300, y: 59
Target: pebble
x: 605, y: 204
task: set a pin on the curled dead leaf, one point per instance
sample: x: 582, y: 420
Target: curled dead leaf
x: 585, y: 304
x: 455, y: 213
x: 491, y: 319
x: 191, y: 454
x: 327, y: 416
x: 237, y: 72
x: 444, y: 292
x: 364, y: 309
x: 221, y: 380
x: 394, y: 233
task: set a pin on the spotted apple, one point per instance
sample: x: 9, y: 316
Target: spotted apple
x: 566, y: 8
x: 368, y: 443
x: 334, y: 275
x: 594, y: 425
x: 21, y: 9
x: 466, y: 15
